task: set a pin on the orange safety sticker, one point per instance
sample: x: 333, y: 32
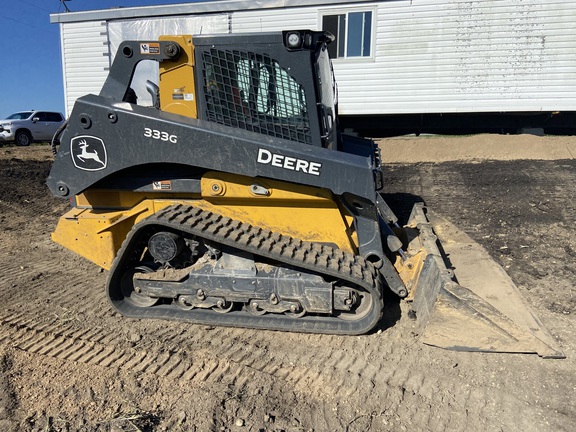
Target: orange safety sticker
x: 150, y: 48
x: 162, y: 185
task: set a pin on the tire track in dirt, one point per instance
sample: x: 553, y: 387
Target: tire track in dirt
x: 245, y: 347
x: 344, y: 368
x: 333, y: 372
x: 94, y: 348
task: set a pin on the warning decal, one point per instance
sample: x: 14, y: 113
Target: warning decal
x: 150, y: 48
x: 162, y: 185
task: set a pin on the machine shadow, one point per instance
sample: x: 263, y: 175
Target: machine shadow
x: 401, y: 204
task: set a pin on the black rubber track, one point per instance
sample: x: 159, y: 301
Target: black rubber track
x: 311, y: 257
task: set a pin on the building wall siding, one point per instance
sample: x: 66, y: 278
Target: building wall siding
x: 450, y: 56
x: 428, y: 56
x: 85, y: 59
x: 466, y: 56
x: 254, y: 21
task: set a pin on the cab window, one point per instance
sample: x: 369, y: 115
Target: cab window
x: 252, y: 91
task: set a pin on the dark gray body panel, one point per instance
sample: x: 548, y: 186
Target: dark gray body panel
x: 199, y: 144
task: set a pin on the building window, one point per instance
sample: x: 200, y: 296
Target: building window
x: 353, y: 31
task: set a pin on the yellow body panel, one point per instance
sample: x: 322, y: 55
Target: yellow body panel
x: 410, y: 271
x: 97, y: 231
x: 97, y: 235
x: 177, y: 89
x: 302, y: 212
x: 111, y: 200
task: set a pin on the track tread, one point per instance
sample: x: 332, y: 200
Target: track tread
x: 313, y: 257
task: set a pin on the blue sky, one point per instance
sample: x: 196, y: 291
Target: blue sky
x: 31, y: 65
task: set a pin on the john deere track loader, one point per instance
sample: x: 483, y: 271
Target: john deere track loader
x: 234, y: 200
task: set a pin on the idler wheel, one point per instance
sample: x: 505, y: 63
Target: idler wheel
x: 130, y: 295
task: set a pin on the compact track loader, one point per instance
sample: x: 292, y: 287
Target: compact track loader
x: 234, y: 200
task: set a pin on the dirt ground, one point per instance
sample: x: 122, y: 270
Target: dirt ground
x: 69, y: 363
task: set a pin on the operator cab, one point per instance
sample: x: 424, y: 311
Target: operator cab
x: 275, y: 84
x: 281, y: 85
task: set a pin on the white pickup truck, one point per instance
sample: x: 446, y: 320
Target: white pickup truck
x: 25, y: 127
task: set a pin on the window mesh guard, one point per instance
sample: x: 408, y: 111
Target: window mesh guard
x: 252, y: 92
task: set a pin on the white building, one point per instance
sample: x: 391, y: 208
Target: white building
x: 396, y: 62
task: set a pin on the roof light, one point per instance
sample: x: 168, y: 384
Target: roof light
x: 293, y: 39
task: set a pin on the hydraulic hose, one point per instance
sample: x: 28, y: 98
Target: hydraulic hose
x: 56, y: 138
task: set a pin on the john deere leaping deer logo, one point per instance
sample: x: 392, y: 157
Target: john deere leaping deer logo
x: 88, y: 153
